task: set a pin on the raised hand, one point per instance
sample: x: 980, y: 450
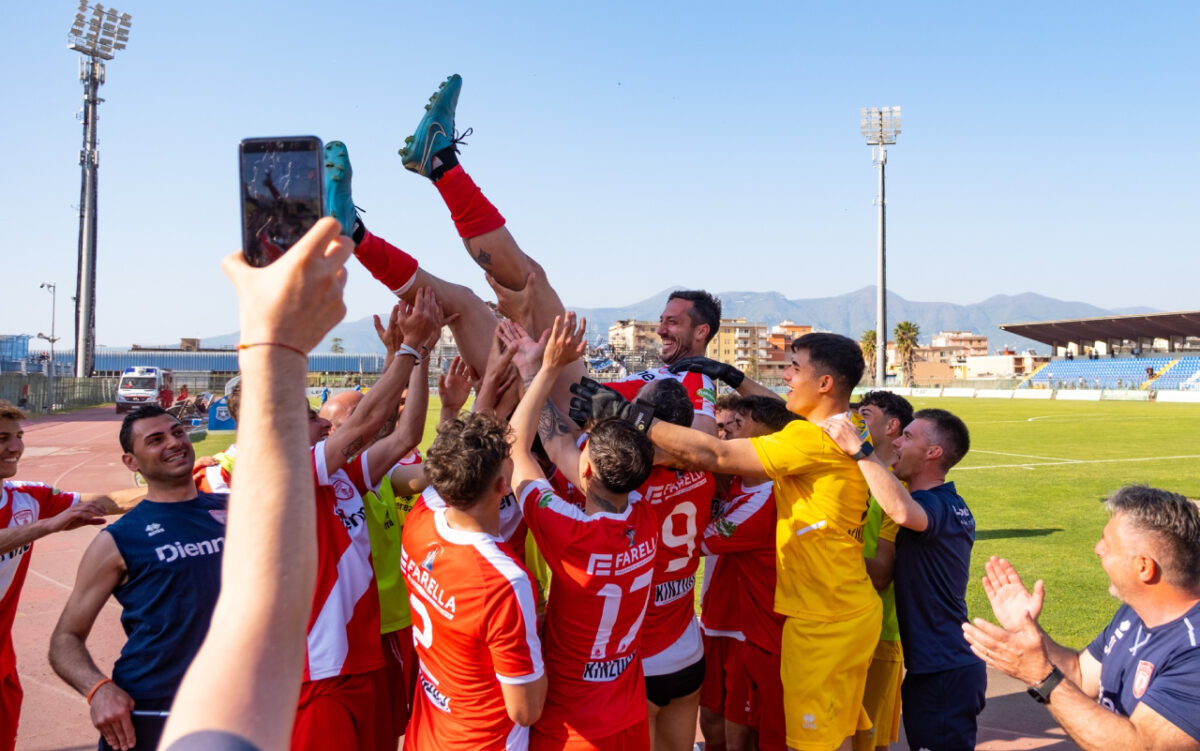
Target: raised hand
x: 565, y: 342
x: 1007, y: 594
x: 392, y: 336
x: 499, y: 377
x: 527, y: 352
x: 422, y: 321
x: 454, y: 386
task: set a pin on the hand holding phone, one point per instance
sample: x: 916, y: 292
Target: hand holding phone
x: 283, y: 193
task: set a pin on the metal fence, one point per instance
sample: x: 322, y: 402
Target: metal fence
x: 28, y: 391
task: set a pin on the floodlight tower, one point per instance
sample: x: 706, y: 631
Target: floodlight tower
x: 881, y: 125
x: 106, y: 32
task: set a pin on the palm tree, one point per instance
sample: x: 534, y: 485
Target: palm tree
x: 867, y: 342
x: 906, y: 347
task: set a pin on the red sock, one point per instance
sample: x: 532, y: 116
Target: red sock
x: 386, y: 262
x: 473, y: 214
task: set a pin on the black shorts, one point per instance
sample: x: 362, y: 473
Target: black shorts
x: 661, y: 689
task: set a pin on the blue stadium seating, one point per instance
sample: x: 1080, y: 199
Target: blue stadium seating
x: 1105, y: 373
x: 1186, y: 371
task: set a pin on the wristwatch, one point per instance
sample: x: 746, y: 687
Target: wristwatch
x: 1041, y: 691
x: 865, y: 450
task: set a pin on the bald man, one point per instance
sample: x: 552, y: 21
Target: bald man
x: 340, y: 406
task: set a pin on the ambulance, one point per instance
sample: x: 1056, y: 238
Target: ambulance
x: 143, y: 384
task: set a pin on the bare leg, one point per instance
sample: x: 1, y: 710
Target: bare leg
x: 712, y: 727
x: 675, y: 729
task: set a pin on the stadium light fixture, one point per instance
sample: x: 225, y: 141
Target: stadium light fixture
x: 880, y: 126
x: 98, y: 38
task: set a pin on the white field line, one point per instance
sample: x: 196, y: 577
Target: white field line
x: 1024, y: 456
x: 1080, y: 461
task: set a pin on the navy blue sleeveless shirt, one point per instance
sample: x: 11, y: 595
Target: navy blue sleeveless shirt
x: 172, y: 554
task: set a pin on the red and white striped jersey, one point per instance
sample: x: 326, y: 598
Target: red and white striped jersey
x: 21, y: 503
x: 682, y: 503
x: 602, y: 568
x: 744, y: 538
x: 343, y: 629
x: 699, y: 387
x: 474, y: 626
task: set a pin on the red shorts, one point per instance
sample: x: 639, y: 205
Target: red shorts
x: 717, y: 651
x: 766, y: 697
x: 10, y: 710
x: 338, y: 713
x: 393, y: 704
x: 635, y: 738
x: 737, y: 686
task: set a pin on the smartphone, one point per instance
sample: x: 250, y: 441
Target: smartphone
x: 283, y: 193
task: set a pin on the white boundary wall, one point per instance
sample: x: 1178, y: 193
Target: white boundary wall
x: 1078, y: 395
x: 1064, y: 395
x: 1179, y: 396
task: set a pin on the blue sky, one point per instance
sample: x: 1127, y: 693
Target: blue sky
x: 632, y: 146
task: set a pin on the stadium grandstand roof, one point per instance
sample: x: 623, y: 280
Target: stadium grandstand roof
x: 1107, y: 328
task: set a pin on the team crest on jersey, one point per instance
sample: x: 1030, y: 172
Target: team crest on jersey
x: 1141, y: 679
x: 219, y: 514
x: 22, y: 516
x: 434, y: 551
x: 630, y: 534
x: 343, y: 489
x: 154, y: 529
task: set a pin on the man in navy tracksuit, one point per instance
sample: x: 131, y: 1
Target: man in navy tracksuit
x: 162, y: 562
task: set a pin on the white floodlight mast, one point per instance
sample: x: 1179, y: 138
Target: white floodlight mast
x: 106, y: 32
x: 881, y: 125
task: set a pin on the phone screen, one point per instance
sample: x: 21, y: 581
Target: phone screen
x: 282, y: 194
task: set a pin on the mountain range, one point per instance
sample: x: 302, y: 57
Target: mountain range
x: 850, y: 314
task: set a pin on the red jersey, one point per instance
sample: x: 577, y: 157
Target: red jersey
x: 343, y: 628
x: 744, y: 537
x: 512, y: 523
x: 682, y: 503
x: 719, y: 590
x: 474, y: 626
x: 565, y: 490
x: 602, y: 568
x: 699, y: 387
x: 21, y: 503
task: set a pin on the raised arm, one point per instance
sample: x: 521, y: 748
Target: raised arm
x: 421, y: 323
x: 694, y: 448
x: 385, y: 453
x: 245, y: 680
x: 719, y: 371
x: 563, y: 344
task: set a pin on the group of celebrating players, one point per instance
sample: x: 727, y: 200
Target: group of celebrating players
x: 529, y: 582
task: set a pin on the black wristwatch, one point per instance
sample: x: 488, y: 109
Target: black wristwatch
x: 1041, y: 691
x: 865, y: 450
